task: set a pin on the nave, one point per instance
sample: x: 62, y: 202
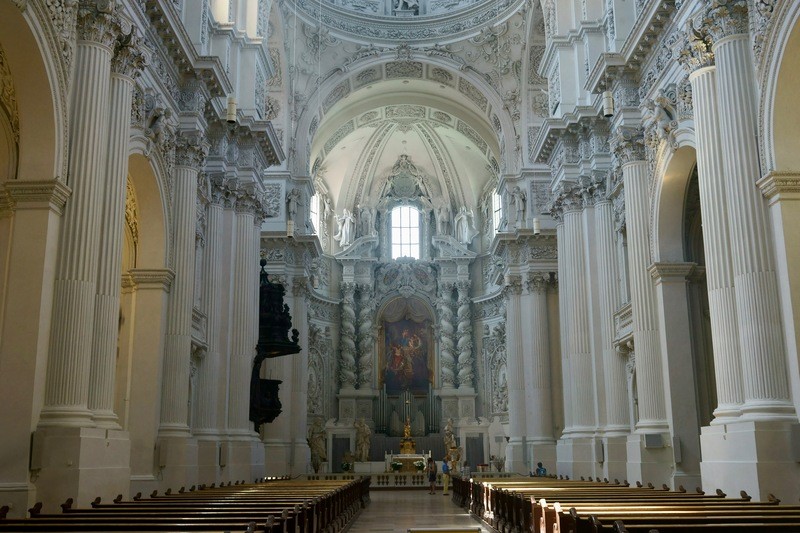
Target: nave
x: 395, y: 511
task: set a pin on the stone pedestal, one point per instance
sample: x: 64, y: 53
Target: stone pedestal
x: 80, y: 463
x: 615, y: 458
x: 245, y: 461
x: 650, y: 458
x: 176, y: 458
x: 576, y: 457
x: 758, y: 457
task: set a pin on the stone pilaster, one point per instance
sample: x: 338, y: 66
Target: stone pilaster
x: 446, y: 330
x: 243, y: 337
x: 563, y: 297
x: 68, y: 366
x: 579, y: 348
x: 190, y: 153
x: 515, y: 451
x: 205, y: 423
x: 629, y: 149
x: 645, y: 463
x: 347, y: 348
x: 766, y: 388
x: 537, y: 371
x: 716, y: 233
x: 125, y: 66
x: 616, y: 400
x: 466, y: 374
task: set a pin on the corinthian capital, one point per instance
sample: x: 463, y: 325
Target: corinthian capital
x: 627, y: 144
x: 513, y: 286
x: 694, y: 48
x: 191, y: 150
x: 98, y: 22
x: 726, y: 18
x: 130, y: 56
x: 538, y: 281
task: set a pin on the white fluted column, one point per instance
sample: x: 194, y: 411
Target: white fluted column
x: 68, y: 365
x: 563, y: 299
x: 366, y: 337
x: 616, y: 398
x: 629, y: 149
x: 243, y: 344
x: 716, y: 236
x: 538, y: 406
x: 515, y: 375
x: 764, y: 371
x: 125, y: 65
x: 446, y: 330
x: 577, y: 315
x: 347, y: 349
x: 205, y: 421
x: 190, y: 154
x: 466, y: 375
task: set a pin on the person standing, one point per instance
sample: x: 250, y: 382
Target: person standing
x: 431, y: 469
x: 445, y: 474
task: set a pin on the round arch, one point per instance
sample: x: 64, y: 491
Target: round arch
x: 668, y: 203
x: 38, y: 90
x: 780, y: 116
x: 340, y: 85
x: 151, y: 199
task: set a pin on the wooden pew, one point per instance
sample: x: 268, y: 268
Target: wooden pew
x: 275, y: 506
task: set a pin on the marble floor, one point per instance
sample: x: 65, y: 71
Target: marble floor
x: 394, y: 511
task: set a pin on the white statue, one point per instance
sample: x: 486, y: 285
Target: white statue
x: 366, y: 221
x: 292, y: 203
x: 407, y: 5
x: 326, y: 208
x: 449, y: 436
x: 443, y: 220
x: 318, y: 443
x: 464, y: 227
x: 518, y: 200
x: 346, y: 224
x: 363, y: 433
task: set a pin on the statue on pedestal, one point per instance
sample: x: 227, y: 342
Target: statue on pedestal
x: 363, y: 433
x: 317, y: 441
x: 407, y: 444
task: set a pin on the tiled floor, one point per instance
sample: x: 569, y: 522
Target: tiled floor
x: 394, y: 511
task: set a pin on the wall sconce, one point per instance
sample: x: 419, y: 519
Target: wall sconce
x: 608, y: 104
x: 230, y: 114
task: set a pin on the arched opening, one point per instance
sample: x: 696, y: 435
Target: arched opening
x: 145, y: 286
x: 699, y: 317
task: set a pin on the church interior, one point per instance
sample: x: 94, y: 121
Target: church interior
x: 507, y: 232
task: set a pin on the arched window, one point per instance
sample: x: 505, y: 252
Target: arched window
x: 313, y: 212
x: 497, y: 211
x: 405, y: 232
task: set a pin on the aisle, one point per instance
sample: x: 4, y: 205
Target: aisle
x: 394, y: 511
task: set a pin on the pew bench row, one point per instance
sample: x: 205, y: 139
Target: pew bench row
x: 274, y: 506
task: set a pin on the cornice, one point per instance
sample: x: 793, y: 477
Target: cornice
x: 167, y: 21
x: 644, y: 36
x: 155, y: 278
x: 670, y: 272
x: 780, y: 185
x: 52, y: 194
x: 554, y: 128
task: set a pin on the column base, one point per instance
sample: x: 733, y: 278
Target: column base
x: 515, y: 456
x: 543, y: 452
x: 650, y: 459
x: 576, y: 457
x: 209, y: 469
x: 177, y: 461
x: 615, y: 458
x: 79, y: 463
x: 19, y: 497
x: 759, y: 457
x: 276, y: 458
x: 244, y: 461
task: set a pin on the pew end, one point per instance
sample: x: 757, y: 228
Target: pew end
x: 35, y: 510
x: 746, y: 497
x: 67, y: 505
x: 96, y: 501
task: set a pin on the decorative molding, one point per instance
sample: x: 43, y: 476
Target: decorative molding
x: 52, y: 194
x: 156, y: 278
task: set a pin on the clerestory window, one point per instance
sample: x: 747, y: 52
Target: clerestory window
x: 313, y: 212
x: 405, y: 232
x: 497, y: 211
